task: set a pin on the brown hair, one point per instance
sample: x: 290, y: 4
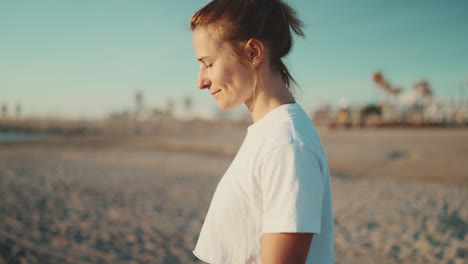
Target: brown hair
x: 238, y: 21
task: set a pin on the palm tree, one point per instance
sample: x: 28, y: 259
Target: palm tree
x: 391, y: 94
x: 423, y: 88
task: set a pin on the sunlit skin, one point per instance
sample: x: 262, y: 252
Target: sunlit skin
x: 232, y: 84
x: 225, y: 80
x: 282, y: 248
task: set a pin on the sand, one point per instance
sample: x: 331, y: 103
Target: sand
x: 400, y: 196
x: 426, y: 155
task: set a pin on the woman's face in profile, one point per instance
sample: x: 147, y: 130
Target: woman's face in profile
x: 227, y: 80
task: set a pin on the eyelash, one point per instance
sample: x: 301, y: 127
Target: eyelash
x: 209, y: 65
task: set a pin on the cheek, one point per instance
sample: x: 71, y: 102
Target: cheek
x: 223, y: 75
x: 244, y: 78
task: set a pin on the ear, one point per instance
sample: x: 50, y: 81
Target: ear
x: 255, y: 51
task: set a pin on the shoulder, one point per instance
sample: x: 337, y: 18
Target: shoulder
x: 287, y: 135
x: 293, y: 155
x: 286, y: 126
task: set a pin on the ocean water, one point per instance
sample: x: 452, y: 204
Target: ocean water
x: 15, y: 136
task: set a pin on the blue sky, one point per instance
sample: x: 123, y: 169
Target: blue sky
x: 65, y: 58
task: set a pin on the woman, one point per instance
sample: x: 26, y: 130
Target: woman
x: 273, y: 205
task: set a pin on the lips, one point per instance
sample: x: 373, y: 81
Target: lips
x: 215, y: 92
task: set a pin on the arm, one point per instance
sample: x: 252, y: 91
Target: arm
x: 280, y: 248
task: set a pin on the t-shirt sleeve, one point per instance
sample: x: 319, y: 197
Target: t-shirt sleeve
x: 292, y: 186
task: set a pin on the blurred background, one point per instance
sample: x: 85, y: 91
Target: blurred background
x: 110, y: 154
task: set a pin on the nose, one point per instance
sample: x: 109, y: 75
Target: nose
x: 203, y: 81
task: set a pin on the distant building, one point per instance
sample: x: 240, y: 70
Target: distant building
x: 4, y: 111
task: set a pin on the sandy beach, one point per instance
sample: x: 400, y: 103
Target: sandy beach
x: 400, y: 195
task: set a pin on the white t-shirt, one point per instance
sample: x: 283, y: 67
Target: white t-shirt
x: 278, y: 182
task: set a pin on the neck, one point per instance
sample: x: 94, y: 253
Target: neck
x: 270, y: 93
